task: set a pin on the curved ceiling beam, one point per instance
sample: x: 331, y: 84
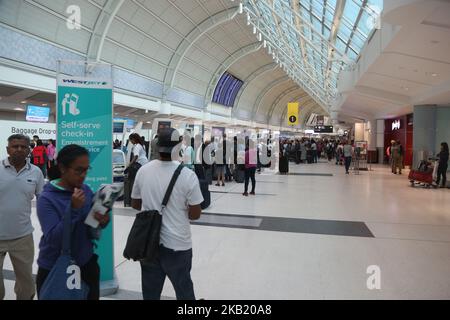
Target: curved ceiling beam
x: 259, y: 72
x: 265, y: 91
x: 101, y: 29
x: 309, y: 109
x: 279, y: 98
x: 239, y: 54
x: 312, y: 109
x: 188, y: 41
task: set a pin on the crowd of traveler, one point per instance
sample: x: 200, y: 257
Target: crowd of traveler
x: 66, y: 201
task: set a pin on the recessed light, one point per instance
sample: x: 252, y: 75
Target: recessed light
x: 18, y: 109
x: 44, y: 104
x: 24, y: 101
x: 434, y: 74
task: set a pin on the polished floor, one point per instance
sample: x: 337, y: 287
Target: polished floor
x: 309, y: 235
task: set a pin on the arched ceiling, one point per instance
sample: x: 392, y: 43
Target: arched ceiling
x: 188, y: 44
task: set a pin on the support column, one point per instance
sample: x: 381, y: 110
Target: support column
x: 380, y: 140
x: 424, y: 141
x: 372, y: 126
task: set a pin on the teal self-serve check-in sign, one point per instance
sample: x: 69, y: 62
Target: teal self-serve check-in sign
x: 84, y: 117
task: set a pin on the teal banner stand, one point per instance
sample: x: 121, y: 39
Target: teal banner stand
x: 84, y: 117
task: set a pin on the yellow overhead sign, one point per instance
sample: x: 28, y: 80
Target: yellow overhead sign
x: 292, y: 114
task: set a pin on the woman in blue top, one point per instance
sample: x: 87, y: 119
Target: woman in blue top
x: 68, y: 192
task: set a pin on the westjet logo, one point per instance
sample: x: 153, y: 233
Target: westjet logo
x: 396, y: 125
x: 85, y: 82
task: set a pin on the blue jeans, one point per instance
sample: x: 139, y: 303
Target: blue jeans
x: 174, y: 264
x: 348, y: 161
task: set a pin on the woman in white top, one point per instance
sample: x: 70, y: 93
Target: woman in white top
x: 137, y: 150
x: 137, y: 160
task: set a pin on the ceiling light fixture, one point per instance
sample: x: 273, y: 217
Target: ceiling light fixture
x: 434, y: 74
x: 18, y: 109
x: 24, y: 101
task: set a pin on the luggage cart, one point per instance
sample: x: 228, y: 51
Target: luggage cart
x: 423, y: 176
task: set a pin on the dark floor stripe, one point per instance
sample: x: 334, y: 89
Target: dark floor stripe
x: 311, y: 174
x: 279, y: 224
x: 240, y: 193
x: 259, y: 181
x: 312, y: 226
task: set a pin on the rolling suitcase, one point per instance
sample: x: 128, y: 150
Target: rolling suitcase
x: 309, y: 156
x: 239, y: 175
x: 284, y: 165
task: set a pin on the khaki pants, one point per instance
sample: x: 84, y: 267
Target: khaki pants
x: 21, y: 253
x: 397, y: 163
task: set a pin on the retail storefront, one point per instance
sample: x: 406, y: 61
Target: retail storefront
x: 400, y: 129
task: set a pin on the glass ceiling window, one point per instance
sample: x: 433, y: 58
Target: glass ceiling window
x: 313, y: 40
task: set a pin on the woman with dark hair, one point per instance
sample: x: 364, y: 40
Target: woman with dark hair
x: 443, y: 165
x: 137, y: 159
x: 67, y: 194
x: 51, y: 151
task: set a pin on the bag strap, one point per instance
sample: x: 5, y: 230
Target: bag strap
x: 171, y: 185
x: 66, y: 232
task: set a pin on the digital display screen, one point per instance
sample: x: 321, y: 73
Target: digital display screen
x: 323, y: 129
x: 118, y: 127
x: 227, y: 89
x: 37, y: 114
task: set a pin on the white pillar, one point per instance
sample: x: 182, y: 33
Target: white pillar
x: 372, y: 126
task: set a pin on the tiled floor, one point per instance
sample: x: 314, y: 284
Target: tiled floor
x: 410, y: 243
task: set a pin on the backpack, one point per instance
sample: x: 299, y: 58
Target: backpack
x: 39, y: 155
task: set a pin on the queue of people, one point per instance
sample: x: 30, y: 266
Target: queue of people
x: 65, y: 201
x: 306, y: 150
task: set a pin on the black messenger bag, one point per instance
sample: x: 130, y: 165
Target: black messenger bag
x: 143, y: 240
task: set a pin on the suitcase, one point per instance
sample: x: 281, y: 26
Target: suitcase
x: 239, y: 175
x: 423, y: 175
x: 284, y: 165
x: 419, y: 176
x: 309, y: 156
x: 204, y: 187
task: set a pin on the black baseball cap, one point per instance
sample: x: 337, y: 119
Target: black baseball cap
x: 168, y: 138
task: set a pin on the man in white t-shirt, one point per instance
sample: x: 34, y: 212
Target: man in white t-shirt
x: 175, y: 256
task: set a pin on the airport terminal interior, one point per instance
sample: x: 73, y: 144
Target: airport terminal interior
x: 313, y: 83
